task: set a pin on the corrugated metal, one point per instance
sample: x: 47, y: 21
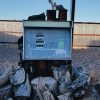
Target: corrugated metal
x: 86, y: 34
x: 10, y: 31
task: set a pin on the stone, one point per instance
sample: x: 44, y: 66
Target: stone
x: 44, y: 83
x: 80, y: 83
x: 48, y: 96
x: 65, y: 96
x: 23, y: 89
x: 18, y: 77
x: 62, y: 76
x: 5, y: 91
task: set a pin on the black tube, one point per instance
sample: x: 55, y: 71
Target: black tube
x: 73, y: 10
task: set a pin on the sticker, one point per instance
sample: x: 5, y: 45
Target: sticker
x: 61, y: 44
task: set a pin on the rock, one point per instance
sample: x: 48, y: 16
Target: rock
x: 86, y: 57
x: 80, y: 83
x: 44, y: 83
x: 78, y: 70
x: 51, y: 84
x: 38, y: 87
x: 79, y: 93
x: 64, y: 82
x: 62, y: 75
x: 5, y: 91
x: 65, y: 96
x: 48, y: 96
x: 35, y: 97
x: 18, y: 77
x: 44, y: 87
x: 23, y: 89
x: 60, y: 71
x: 91, y: 94
x: 90, y: 58
x: 4, y: 73
x: 10, y: 98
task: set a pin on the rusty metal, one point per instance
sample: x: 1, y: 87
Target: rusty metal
x: 51, y: 15
x: 63, y: 15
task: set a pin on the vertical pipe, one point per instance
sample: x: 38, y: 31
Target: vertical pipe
x: 73, y: 10
x: 73, y: 2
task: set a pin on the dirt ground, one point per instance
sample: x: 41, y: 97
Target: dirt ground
x: 89, y: 58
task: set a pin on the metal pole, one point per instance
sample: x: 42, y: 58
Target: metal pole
x: 72, y: 16
x: 73, y: 10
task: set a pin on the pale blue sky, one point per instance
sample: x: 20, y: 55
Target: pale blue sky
x: 86, y: 10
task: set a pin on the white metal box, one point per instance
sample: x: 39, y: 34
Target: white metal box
x: 44, y: 40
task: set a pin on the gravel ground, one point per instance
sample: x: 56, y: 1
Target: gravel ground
x: 89, y: 58
x: 10, y: 56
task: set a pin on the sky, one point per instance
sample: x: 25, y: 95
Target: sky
x: 86, y: 10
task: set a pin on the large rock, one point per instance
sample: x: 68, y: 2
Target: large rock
x: 60, y: 71
x: 24, y: 89
x: 64, y: 82
x: 62, y: 75
x: 48, y: 96
x: 42, y: 84
x: 91, y: 94
x: 18, y: 77
x: 81, y: 81
x: 65, y: 96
